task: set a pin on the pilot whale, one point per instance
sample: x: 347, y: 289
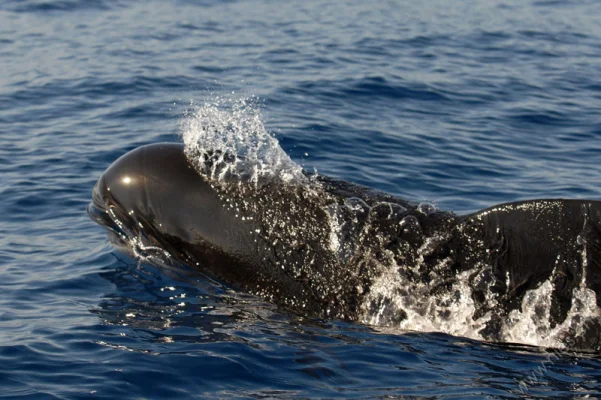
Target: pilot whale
x: 318, y: 246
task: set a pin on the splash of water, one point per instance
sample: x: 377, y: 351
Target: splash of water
x: 226, y: 140
x: 397, y: 302
x: 530, y: 323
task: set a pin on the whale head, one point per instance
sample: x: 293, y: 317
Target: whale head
x: 153, y: 197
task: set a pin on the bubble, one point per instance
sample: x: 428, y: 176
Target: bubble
x: 426, y: 208
x: 410, y: 221
x: 397, y: 209
x: 356, y: 204
x: 381, y: 211
x: 385, y: 210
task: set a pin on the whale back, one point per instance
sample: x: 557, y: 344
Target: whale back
x: 530, y: 243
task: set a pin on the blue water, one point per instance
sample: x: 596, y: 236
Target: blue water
x: 465, y: 104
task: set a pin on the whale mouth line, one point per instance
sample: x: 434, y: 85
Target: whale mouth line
x: 104, y: 214
x: 99, y: 215
x: 97, y: 210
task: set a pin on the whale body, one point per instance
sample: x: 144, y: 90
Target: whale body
x: 333, y: 249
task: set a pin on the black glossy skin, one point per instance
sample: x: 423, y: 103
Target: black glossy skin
x: 529, y: 242
x: 156, y: 194
x: 177, y: 210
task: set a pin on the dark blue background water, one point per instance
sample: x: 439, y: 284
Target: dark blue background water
x: 464, y: 103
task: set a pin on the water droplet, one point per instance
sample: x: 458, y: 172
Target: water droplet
x: 226, y: 139
x: 409, y: 221
x: 410, y: 228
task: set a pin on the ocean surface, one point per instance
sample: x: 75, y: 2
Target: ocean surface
x: 464, y: 104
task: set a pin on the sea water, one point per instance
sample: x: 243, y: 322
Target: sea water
x: 459, y: 105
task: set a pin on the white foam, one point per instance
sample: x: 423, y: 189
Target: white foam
x: 450, y: 312
x: 453, y: 311
x: 530, y: 325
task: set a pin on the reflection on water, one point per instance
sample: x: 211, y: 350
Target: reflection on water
x: 171, y: 312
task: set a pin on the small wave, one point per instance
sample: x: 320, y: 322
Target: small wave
x: 380, y: 87
x: 374, y: 87
x: 39, y: 6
